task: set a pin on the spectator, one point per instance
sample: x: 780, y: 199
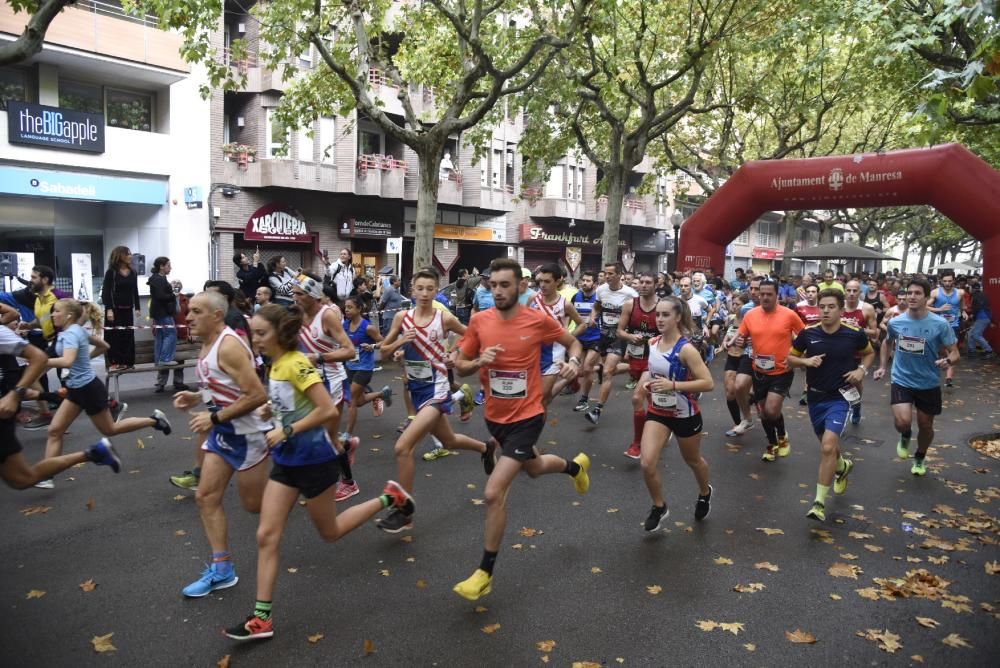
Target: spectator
x: 163, y: 311
x: 120, y: 296
x: 463, y: 297
x: 251, y: 275
x: 362, y: 292
x: 982, y: 316
x: 341, y: 273
x: 390, y: 303
x: 262, y: 298
x: 280, y: 279
x: 183, y: 303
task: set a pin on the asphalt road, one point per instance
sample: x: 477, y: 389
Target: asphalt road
x: 583, y: 580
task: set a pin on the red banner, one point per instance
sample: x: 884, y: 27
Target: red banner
x: 277, y: 222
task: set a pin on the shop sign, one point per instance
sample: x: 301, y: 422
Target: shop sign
x: 77, y: 185
x: 574, y: 254
x: 277, y: 222
x: 767, y: 254
x: 368, y: 228
x: 649, y: 241
x: 465, y: 233
x: 40, y: 125
x: 531, y: 233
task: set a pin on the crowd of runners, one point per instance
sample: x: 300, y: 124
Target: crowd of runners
x: 279, y: 391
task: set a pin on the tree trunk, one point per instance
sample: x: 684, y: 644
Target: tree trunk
x: 615, y: 178
x: 427, y: 199
x: 920, y: 263
x: 788, y: 221
x: 906, y: 253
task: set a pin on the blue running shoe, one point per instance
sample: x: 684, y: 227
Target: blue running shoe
x: 103, y: 453
x: 209, y: 581
x: 480, y: 397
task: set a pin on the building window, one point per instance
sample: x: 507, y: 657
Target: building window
x: 484, y: 172
x: 744, y: 238
x: 554, y: 184
x: 369, y: 143
x: 13, y: 86
x: 131, y: 111
x: 306, y: 143
x: 277, y: 136
x: 496, y: 165
x: 768, y: 233
x: 328, y: 140
x: 81, y: 97
x: 580, y: 175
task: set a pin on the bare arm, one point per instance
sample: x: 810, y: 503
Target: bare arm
x: 623, y: 320
x: 333, y: 326
x: 393, y: 341
x: 64, y: 362
x: 235, y: 362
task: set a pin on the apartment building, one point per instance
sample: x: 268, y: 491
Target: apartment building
x: 104, y: 143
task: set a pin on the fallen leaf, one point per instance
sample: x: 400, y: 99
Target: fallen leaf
x: 800, y: 636
x: 654, y: 589
x: 90, y: 504
x: 384, y: 572
x: 545, y: 645
x: 886, y: 640
x: 860, y: 536
x: 849, y: 556
x: 916, y: 658
x: 528, y: 533
x: 544, y: 658
x: 839, y: 570
x: 470, y: 486
x: 480, y: 609
x: 491, y: 628
x: 612, y: 510
x: 927, y: 622
x: 181, y: 497
x: 369, y: 647
x: 103, y: 643
x: 750, y: 647
x: 89, y: 585
x: 407, y: 539
x: 732, y: 627
x: 180, y: 532
x: 835, y: 597
x: 477, y: 502
x: 421, y: 584
x: 28, y: 511
x: 723, y: 561
x: 410, y: 560
x: 771, y: 532
x: 955, y: 640
x: 586, y: 664
x: 518, y: 546
x: 957, y: 607
x: 595, y: 569
x: 992, y: 567
x: 315, y: 638
x: 707, y: 625
x: 223, y: 662
x: 823, y: 535
x: 766, y: 566
x: 748, y: 588
x: 869, y: 592
x: 293, y: 570
x: 35, y: 593
x: 873, y: 548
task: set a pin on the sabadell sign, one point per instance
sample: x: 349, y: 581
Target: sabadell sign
x: 277, y: 222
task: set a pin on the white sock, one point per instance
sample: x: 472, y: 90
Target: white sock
x: 437, y: 444
x: 457, y: 395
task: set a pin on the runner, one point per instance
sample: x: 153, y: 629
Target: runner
x: 772, y: 328
x: 636, y: 327
x: 502, y: 345
x: 15, y: 386
x: 860, y: 315
x: 421, y: 332
x: 876, y: 299
x: 700, y: 311
x: 84, y: 390
x: 550, y: 302
x: 714, y: 316
x: 589, y: 338
x: 608, y: 305
x: 920, y: 336
x: 738, y: 372
x: 482, y: 300
x: 675, y: 376
x: 232, y: 433
x: 808, y: 310
x: 305, y: 461
x: 828, y: 352
x: 949, y: 303
x: 365, y: 337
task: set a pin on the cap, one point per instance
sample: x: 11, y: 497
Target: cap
x: 525, y: 272
x: 310, y: 286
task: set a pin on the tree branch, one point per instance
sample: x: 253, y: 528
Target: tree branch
x: 30, y: 41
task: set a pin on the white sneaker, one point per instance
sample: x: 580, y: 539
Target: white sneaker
x: 48, y: 483
x: 743, y: 427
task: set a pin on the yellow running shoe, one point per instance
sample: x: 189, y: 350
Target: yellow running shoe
x: 840, y: 480
x: 581, y: 479
x: 770, y: 454
x: 817, y: 512
x: 478, y: 584
x: 783, y: 447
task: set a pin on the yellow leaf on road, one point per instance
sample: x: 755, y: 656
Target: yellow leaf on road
x: 586, y: 664
x: 421, y: 584
x: 750, y: 647
x: 839, y: 570
x: 528, y: 532
x: 748, y: 588
x: 723, y: 561
x: 770, y: 532
x: 90, y: 504
x: 369, y: 647
x: 491, y: 628
x: 595, y: 569
x: 89, y: 585
x: 654, y: 589
x: 766, y: 566
x: 835, y: 597
x: 477, y: 502
x: 707, y: 625
x: 28, y: 511
x: 992, y: 567
x: 869, y: 592
x: 315, y: 638
x: 886, y: 640
x: 35, y: 593
x: 481, y: 609
x: 223, y: 662
x: 139, y: 443
x: 732, y: 627
x: 800, y: 636
x: 545, y: 645
x: 384, y: 572
x: 955, y: 640
x: 103, y: 643
x: 612, y: 510
x: 180, y: 532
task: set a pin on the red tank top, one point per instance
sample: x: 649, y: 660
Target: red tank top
x: 809, y: 314
x: 855, y: 318
x: 641, y: 323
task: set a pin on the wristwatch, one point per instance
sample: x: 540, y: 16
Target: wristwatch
x: 863, y: 368
x: 215, y: 418
x: 289, y: 431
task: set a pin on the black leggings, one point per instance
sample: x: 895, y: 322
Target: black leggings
x: 121, y: 342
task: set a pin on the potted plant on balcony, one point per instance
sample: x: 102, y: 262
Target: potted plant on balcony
x: 228, y: 151
x: 243, y: 155
x: 251, y: 153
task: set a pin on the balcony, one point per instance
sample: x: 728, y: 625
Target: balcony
x: 380, y: 176
x: 385, y: 91
x: 555, y: 207
x: 450, y: 188
x: 105, y: 29
x: 279, y: 173
x: 633, y: 210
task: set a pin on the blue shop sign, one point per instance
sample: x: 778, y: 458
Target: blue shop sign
x: 41, y: 125
x: 77, y: 185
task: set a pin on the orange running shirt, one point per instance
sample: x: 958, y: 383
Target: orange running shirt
x: 513, y: 382
x: 772, y: 334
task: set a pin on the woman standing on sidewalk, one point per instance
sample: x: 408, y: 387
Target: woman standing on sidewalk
x: 163, y: 311
x: 120, y: 296
x: 280, y: 279
x: 305, y: 461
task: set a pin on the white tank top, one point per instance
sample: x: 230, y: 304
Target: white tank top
x: 429, y: 343
x: 558, y: 312
x: 316, y: 342
x: 220, y: 389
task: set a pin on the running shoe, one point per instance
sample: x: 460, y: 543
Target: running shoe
x: 632, y: 382
x: 817, y: 512
x: 593, y: 415
x: 840, y: 479
x: 395, y: 522
x: 703, y: 506
x: 103, y: 453
x: 346, y: 490
x: 581, y: 480
x: 186, y: 480
x: 657, y: 516
x: 634, y: 451
x: 467, y: 403
x: 918, y: 468
x: 490, y: 456
x: 118, y: 409
x: 784, y: 449
x: 351, y: 445
x: 479, y: 584
x: 948, y: 383
x: 856, y: 415
x: 437, y: 453
x: 48, y: 483
x: 770, y: 454
x: 803, y: 401
x: 377, y: 406
x: 160, y: 422
x: 209, y: 581
x: 254, y: 628
x: 582, y: 405
x: 401, y: 499
x: 903, y: 448
x: 38, y: 422
x: 740, y: 429
x: 480, y: 398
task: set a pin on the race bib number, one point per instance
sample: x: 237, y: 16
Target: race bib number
x: 912, y: 344
x: 611, y: 318
x: 851, y: 394
x: 664, y: 399
x: 948, y: 316
x: 764, y: 362
x: 636, y: 350
x: 508, y: 384
x: 418, y: 370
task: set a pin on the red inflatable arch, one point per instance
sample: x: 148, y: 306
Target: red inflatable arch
x: 947, y: 177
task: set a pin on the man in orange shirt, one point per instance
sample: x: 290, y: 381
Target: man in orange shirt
x: 502, y: 344
x: 772, y: 328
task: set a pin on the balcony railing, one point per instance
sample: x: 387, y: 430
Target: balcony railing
x: 383, y: 162
x: 243, y: 64
x: 378, y: 78
x: 108, y: 9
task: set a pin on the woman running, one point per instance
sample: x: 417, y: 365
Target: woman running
x: 676, y: 373
x: 737, y: 376
x: 364, y: 335
x: 84, y: 390
x: 305, y: 461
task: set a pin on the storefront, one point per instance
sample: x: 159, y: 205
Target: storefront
x: 463, y: 239
x: 278, y: 230
x: 763, y: 259
x: 366, y: 237
x: 547, y: 242
x: 649, y: 248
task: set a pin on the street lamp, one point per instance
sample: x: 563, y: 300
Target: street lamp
x: 676, y: 218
